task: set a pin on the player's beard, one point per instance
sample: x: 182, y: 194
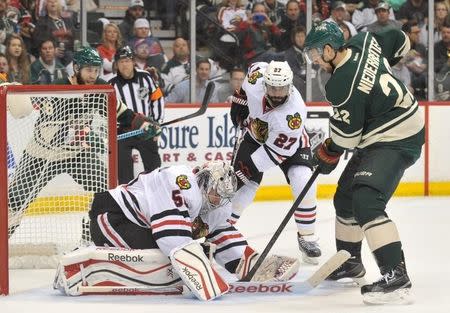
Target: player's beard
x: 81, y: 81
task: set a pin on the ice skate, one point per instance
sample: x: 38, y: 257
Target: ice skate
x: 393, y: 288
x: 353, y: 269
x: 309, y: 248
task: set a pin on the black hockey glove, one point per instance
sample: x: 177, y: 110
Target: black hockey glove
x: 239, y: 109
x: 150, y: 127
x: 325, y: 159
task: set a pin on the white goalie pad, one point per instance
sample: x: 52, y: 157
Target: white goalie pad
x: 194, y: 268
x: 100, y: 266
x: 273, y: 268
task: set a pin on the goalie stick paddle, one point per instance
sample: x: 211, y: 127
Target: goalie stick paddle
x: 283, y: 224
x: 236, y: 288
x: 208, y: 94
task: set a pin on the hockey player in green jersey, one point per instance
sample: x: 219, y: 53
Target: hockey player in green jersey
x: 376, y: 114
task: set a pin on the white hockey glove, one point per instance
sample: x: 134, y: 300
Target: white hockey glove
x: 273, y: 268
x: 194, y: 268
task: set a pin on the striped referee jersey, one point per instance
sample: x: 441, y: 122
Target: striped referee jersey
x: 140, y: 93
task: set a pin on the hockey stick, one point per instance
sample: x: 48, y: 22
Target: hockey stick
x: 208, y: 94
x: 283, y: 224
x: 254, y: 288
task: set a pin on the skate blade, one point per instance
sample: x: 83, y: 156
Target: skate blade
x: 397, y: 297
x: 310, y: 260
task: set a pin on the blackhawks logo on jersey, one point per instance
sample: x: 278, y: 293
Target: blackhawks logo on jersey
x: 253, y: 76
x: 183, y: 182
x: 294, y: 121
x: 260, y: 130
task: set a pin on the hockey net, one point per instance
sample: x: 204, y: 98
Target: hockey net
x: 59, y: 149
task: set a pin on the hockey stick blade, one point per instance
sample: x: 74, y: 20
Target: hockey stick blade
x: 236, y: 288
x: 204, y: 105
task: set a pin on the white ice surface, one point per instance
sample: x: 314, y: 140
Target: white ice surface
x: 422, y: 223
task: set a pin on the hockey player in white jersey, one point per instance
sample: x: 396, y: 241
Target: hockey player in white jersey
x: 161, y: 213
x: 272, y: 113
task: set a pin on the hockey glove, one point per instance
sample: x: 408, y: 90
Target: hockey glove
x: 273, y: 268
x: 325, y: 159
x: 239, y: 109
x: 150, y: 127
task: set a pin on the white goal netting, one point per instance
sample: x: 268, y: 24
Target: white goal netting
x: 57, y: 157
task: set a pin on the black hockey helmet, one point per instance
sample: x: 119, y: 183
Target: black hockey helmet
x: 124, y: 52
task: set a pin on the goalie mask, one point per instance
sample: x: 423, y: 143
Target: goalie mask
x: 217, y: 182
x: 278, y: 83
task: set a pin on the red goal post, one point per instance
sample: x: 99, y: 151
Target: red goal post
x: 48, y: 125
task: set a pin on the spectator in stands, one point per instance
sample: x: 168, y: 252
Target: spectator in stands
x: 296, y: 60
x: 134, y: 12
x: 53, y: 25
x: 180, y: 93
x: 292, y: 19
x: 7, y: 26
x: 4, y: 69
x: 178, y: 67
x: 110, y: 42
x: 225, y: 91
x: 351, y: 6
x: 18, y: 59
x: 147, y: 48
x: 416, y: 60
x: 168, y: 10
x: 383, y: 21
x: 345, y: 31
x: 441, y: 10
x: 401, y: 72
x: 442, y: 49
x: 257, y: 36
x: 366, y: 15
x: 230, y: 14
x: 338, y: 13
x: 47, y: 68
x: 413, y: 10
x: 275, y: 9
x: 442, y: 84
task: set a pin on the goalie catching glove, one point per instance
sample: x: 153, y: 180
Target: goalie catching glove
x: 150, y: 127
x: 273, y: 268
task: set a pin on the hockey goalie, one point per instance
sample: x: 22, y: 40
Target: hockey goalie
x: 145, y: 235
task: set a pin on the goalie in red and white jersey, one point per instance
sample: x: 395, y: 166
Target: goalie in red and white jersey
x: 167, y: 209
x: 272, y: 113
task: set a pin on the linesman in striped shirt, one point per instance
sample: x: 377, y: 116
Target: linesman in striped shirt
x: 137, y: 89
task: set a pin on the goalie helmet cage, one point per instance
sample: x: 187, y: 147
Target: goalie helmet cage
x: 49, y: 169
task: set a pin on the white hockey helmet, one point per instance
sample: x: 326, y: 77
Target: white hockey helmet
x: 278, y: 82
x: 218, y: 184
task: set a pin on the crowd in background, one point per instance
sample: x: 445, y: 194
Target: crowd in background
x: 38, y: 38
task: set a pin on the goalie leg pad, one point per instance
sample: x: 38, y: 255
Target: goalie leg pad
x: 273, y: 268
x: 194, y: 268
x: 98, y: 266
